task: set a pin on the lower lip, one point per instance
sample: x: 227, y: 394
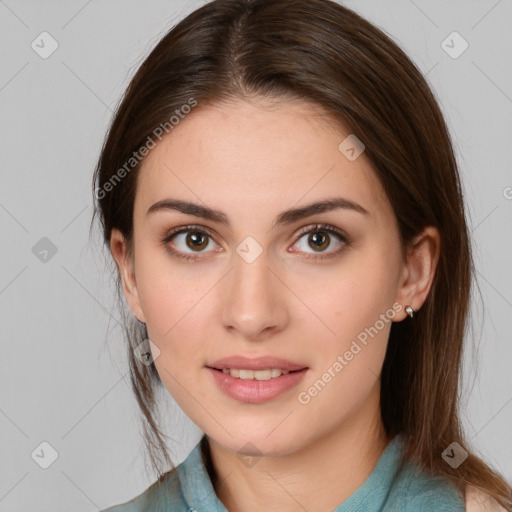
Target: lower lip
x: 256, y: 391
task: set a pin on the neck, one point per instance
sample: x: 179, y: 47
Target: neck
x: 337, y: 463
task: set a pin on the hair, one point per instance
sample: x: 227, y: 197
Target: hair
x: 321, y: 52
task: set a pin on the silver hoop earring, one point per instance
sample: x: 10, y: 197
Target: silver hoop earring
x: 410, y: 311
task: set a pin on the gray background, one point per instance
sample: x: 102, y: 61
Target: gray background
x: 63, y: 376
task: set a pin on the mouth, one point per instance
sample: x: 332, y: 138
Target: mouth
x: 261, y: 363
x: 248, y: 374
x: 256, y: 386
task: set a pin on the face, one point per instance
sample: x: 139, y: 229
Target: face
x: 319, y: 289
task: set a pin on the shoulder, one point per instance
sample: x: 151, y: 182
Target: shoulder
x: 161, y: 496
x: 478, y: 501
x: 184, y: 488
x: 414, y: 490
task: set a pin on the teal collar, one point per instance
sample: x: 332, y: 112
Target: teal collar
x: 199, y: 493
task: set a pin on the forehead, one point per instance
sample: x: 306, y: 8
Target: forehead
x: 257, y: 156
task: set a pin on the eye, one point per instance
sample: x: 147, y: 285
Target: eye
x: 319, y: 238
x: 190, y: 241
x: 195, y: 238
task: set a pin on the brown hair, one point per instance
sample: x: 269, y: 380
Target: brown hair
x: 322, y: 52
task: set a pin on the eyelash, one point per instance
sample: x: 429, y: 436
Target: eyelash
x: 325, y: 228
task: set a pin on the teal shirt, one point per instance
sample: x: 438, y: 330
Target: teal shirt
x: 386, y: 489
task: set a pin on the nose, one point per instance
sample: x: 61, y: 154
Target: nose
x: 253, y: 299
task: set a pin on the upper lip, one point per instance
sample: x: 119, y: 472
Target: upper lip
x: 256, y: 363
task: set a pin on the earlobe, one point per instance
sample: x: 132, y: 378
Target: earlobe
x: 420, y: 268
x: 124, y: 263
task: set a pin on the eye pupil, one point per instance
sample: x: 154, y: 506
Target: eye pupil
x: 319, y: 240
x: 198, y: 240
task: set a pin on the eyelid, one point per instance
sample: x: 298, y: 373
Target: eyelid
x: 183, y: 229
x: 319, y: 226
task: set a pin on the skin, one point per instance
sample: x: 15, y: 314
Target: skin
x: 252, y: 160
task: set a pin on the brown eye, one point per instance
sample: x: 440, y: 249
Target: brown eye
x: 320, y: 237
x: 319, y: 240
x: 196, y: 240
x: 188, y: 241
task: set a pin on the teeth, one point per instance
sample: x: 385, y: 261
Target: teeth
x: 255, y: 374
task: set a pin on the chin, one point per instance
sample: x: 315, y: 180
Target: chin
x: 258, y: 443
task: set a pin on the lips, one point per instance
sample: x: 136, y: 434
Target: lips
x: 256, y: 363
x: 255, y: 391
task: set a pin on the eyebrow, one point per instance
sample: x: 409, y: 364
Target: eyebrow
x: 284, y: 218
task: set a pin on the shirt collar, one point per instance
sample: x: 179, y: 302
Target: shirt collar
x: 199, y: 493
x: 372, y: 495
x: 196, y: 485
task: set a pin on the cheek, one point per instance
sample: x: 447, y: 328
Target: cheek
x: 165, y: 290
x: 347, y: 361
x: 354, y: 305
x: 349, y: 297
x: 176, y: 324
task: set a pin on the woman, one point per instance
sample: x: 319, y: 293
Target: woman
x: 280, y: 195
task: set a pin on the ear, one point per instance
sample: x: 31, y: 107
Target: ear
x: 419, y: 269
x: 125, y: 266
